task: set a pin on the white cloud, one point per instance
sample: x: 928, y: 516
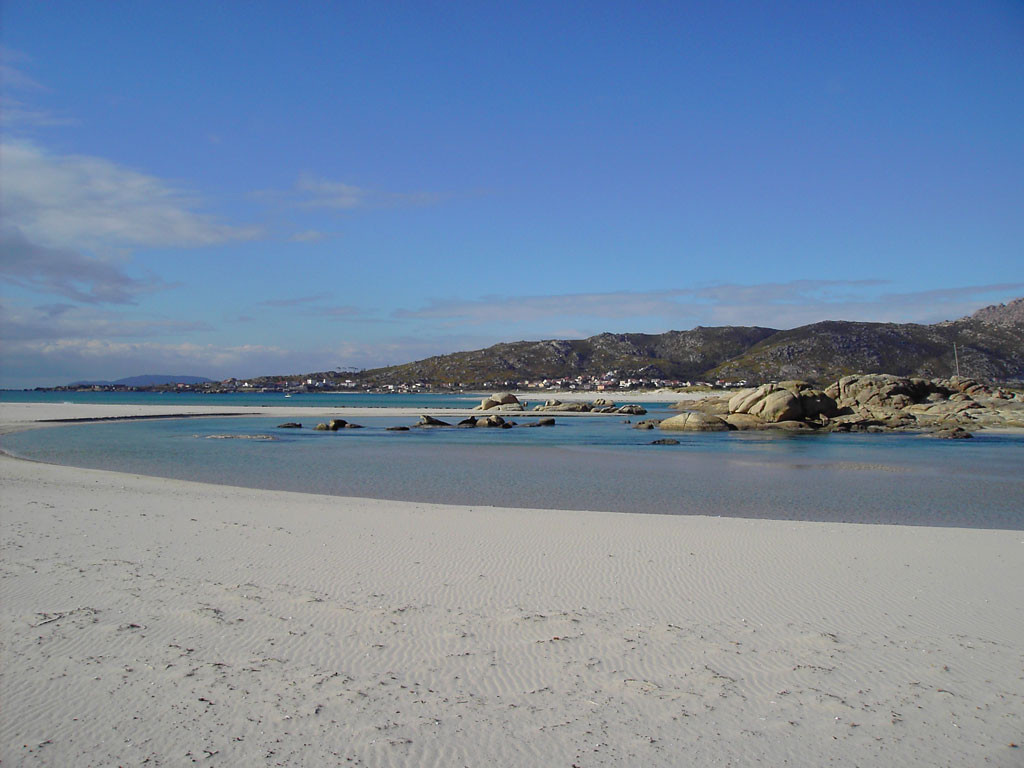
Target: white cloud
x: 84, y: 202
x: 69, y: 321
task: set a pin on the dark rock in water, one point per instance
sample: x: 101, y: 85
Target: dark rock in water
x: 647, y: 424
x: 547, y: 422
x: 469, y: 423
x: 397, y: 429
x: 321, y: 427
x: 350, y: 425
x: 290, y: 425
x: 664, y: 441
x: 335, y: 424
x: 956, y: 433
x: 430, y: 421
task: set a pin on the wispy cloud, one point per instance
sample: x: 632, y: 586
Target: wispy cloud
x: 295, y: 301
x: 313, y: 192
x: 309, y: 236
x: 50, y: 322
x: 315, y: 305
x: 79, y: 201
x: 68, y: 273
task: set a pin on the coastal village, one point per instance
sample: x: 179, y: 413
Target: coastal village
x: 610, y: 382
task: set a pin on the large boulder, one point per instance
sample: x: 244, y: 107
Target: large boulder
x: 780, y: 405
x: 743, y: 400
x: 498, y: 400
x: 694, y: 422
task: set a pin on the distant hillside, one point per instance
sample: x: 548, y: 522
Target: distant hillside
x: 990, y: 345
x: 148, y: 380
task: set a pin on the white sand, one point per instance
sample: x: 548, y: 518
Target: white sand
x: 157, y: 622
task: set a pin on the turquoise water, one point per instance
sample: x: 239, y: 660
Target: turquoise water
x: 581, y: 463
x: 328, y: 400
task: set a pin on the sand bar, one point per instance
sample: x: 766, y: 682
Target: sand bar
x: 160, y: 622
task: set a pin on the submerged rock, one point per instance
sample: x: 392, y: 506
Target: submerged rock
x: 396, y: 429
x: 665, y: 441
x: 240, y: 437
x: 290, y: 425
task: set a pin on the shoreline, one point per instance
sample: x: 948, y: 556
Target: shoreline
x: 168, y: 620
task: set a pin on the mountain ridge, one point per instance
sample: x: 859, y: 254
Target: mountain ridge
x: 989, y: 345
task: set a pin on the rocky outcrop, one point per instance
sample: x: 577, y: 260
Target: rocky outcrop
x: 871, y: 402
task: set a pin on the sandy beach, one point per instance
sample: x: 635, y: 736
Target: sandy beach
x: 149, y: 621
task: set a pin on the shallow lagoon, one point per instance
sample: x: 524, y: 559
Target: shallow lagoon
x: 596, y: 463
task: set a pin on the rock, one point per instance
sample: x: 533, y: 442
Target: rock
x: 486, y: 404
x: 574, y: 407
x: 742, y: 401
x: 335, y: 424
x: 743, y: 421
x: 505, y: 398
x: 633, y: 410
x: 780, y: 405
x: 790, y: 426
x: 397, y: 429
x: 814, y: 403
x: 546, y: 422
x: 430, y: 421
x: 603, y: 403
x: 491, y: 421
x: 290, y: 425
x: 647, y: 424
x: 665, y: 441
x: 953, y: 433
x: 694, y: 422
x: 321, y: 427
x: 718, y: 406
x: 509, y: 407
x: 350, y: 425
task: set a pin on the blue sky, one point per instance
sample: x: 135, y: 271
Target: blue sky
x: 266, y: 187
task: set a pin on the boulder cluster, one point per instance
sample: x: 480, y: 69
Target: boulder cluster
x: 509, y: 402
x: 493, y: 421
x: 331, y: 426
x: 864, y: 403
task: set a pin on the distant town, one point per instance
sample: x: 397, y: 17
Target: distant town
x: 609, y: 382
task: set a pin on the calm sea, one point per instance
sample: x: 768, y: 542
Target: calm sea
x: 581, y: 463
